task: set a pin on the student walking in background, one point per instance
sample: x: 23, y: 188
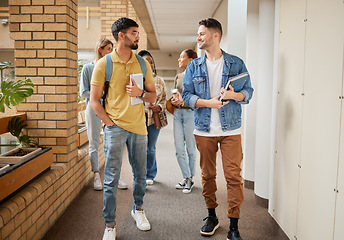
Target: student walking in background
x: 125, y: 123
x: 158, y: 106
x: 93, y: 122
x: 217, y: 123
x: 183, y: 126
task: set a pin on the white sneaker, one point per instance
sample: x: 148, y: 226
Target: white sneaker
x: 109, y: 234
x: 181, y: 185
x: 97, y: 184
x: 149, y: 181
x: 122, y: 185
x: 141, y: 220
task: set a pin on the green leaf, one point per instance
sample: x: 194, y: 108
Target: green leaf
x: 14, y: 92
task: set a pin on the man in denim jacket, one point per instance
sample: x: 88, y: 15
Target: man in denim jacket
x: 217, y: 122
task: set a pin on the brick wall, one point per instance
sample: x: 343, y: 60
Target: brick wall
x: 111, y: 10
x: 45, y: 36
x: 33, y: 210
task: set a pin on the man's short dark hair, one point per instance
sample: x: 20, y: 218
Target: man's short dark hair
x: 122, y: 25
x: 212, y: 23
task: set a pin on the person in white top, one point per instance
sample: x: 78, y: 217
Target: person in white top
x: 217, y: 123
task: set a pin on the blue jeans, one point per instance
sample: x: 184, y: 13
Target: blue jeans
x: 114, y: 140
x: 93, y: 124
x: 151, y: 152
x: 184, y: 141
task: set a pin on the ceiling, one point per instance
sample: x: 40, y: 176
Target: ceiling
x: 171, y: 25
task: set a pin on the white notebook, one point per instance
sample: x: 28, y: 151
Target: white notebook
x: 138, y: 78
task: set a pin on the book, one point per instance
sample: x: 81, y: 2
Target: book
x: 138, y: 78
x: 237, y: 82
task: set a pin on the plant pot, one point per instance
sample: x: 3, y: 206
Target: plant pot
x: 13, y: 156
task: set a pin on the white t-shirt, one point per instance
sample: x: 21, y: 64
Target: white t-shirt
x: 215, y: 70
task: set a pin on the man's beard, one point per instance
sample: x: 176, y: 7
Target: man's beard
x: 128, y: 43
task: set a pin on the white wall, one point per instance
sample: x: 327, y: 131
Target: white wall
x: 308, y: 195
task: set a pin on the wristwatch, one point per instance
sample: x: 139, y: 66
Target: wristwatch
x: 143, y: 94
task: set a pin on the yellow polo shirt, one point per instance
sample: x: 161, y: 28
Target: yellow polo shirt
x: 118, y: 104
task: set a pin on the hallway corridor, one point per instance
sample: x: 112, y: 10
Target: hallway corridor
x: 172, y: 214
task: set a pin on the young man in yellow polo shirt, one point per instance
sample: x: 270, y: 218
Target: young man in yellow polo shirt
x: 124, y: 122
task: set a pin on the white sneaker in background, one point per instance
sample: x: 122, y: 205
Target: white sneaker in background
x: 122, y: 185
x: 181, y: 185
x: 149, y: 181
x: 141, y: 220
x: 109, y: 234
x: 97, y: 184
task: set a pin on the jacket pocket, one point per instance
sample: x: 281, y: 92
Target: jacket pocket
x: 199, y: 84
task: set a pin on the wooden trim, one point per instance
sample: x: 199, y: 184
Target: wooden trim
x: 4, y: 121
x: 4, y: 14
x: 4, y: 9
x: 18, y: 177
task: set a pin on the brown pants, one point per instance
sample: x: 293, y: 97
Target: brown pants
x: 231, y: 151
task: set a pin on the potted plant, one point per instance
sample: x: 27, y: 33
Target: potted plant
x: 13, y: 93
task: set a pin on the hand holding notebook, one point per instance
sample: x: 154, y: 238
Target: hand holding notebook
x: 237, y: 82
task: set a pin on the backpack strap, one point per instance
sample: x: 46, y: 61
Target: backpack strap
x: 108, y: 68
x: 142, y: 65
x: 108, y: 73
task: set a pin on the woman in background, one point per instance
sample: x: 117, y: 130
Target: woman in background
x: 158, y: 105
x: 93, y: 122
x: 183, y: 127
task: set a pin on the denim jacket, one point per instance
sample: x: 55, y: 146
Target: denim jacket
x: 196, y: 85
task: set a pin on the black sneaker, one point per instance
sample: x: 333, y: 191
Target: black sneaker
x: 233, y: 234
x: 210, y: 226
x: 188, y: 185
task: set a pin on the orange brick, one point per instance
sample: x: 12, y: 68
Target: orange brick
x: 26, y: 71
x: 5, y: 214
x: 57, y: 27
x: 56, y: 45
x: 23, y: 107
x: 19, y: 62
x: 20, y: 35
x: 14, y: 27
x: 7, y: 229
x: 46, y: 71
x: 34, y: 27
x: 31, y: 9
x: 37, y: 80
x: 36, y: 133
x: 19, y: 219
x: 46, y: 124
x: 13, y: 10
x: 55, y: 115
x: 34, y: 62
x: 35, y: 98
x: 31, y: 123
x: 46, y: 2
x: 47, y: 141
x: 56, y: 133
x: 43, y: 36
x: 46, y: 107
x: 56, y: 80
x: 26, y: 224
x: 55, y: 63
x: 35, y: 115
x: 24, y: 53
x: 19, y: 18
x: 55, y: 98
x: 33, y: 44
x: 56, y: 9
x: 43, y: 18
x: 32, y: 230
x: 47, y: 89
x: 46, y: 53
